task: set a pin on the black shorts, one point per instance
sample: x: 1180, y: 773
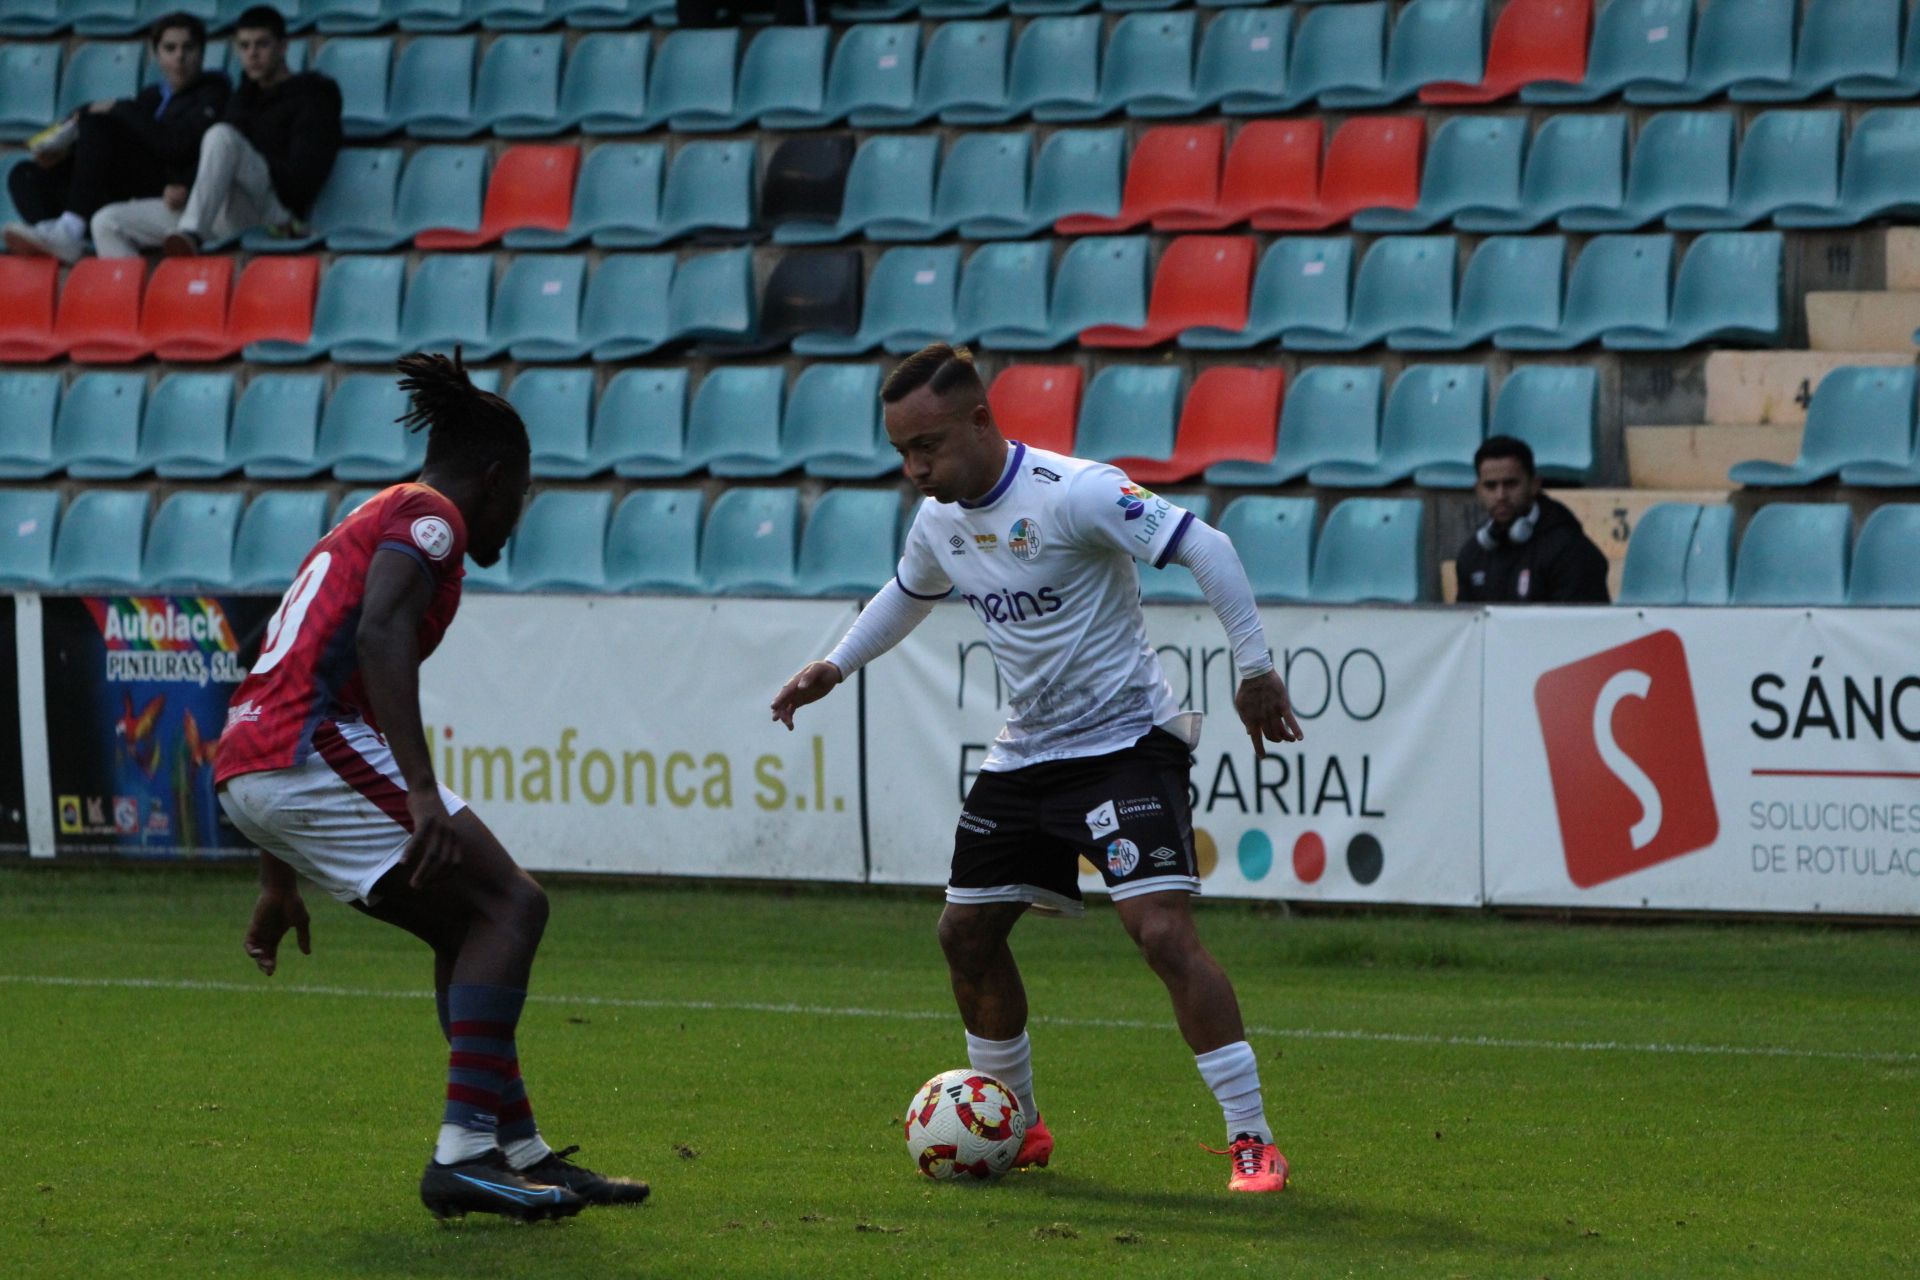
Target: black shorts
x: 1023, y: 832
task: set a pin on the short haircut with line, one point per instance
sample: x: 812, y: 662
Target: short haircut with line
x: 1504, y: 447
x: 941, y: 368
x: 263, y: 17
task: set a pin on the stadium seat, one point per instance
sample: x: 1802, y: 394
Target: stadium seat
x: 909, y: 303
x: 1275, y: 538
x: 806, y: 180
x: 360, y: 432
x: 1885, y: 572
x: 653, y: 542
x: 1576, y: 162
x: 1473, y: 164
x: 693, y: 81
x: 184, y: 435
x: 1434, y: 41
x: 96, y: 433
x: 1202, y: 280
x: 449, y: 303
x: 532, y: 186
x: 29, y: 81
x: 432, y: 90
x: 1129, y: 411
x: 617, y: 203
x: 1637, y: 44
x: 1100, y: 280
x: 1147, y: 65
x: 96, y: 71
x: 1230, y: 415
x: 1619, y: 282
x: 783, y: 79
x: 1878, y: 179
x: 1655, y: 572
x: 277, y: 530
x: 513, y: 15
x: 350, y: 502
x: 27, y: 293
x: 1003, y: 290
x: 440, y: 187
x: 1079, y: 172
x: 1854, y: 42
x: 1303, y: 284
x: 747, y: 547
x: 100, y: 540
x: 29, y: 402
x: 1056, y: 70
x: 1242, y: 68
x: 1372, y: 162
x: 337, y: 17
x: 708, y: 193
x: 184, y: 313
x: 31, y: 17
x: 1736, y: 43
x: 817, y: 292
x: 1331, y: 414
x: 358, y: 198
x: 640, y: 424
x: 832, y: 425
x: 429, y: 15
x: 604, y: 87
x: 982, y: 192
x: 1709, y: 578
x: 1371, y: 549
x: 1789, y: 161
x: 1555, y: 410
x: 1337, y: 47
x: 1038, y: 404
x: 1533, y: 40
x: 871, y: 80
x: 1405, y: 285
x: 1272, y: 170
x: 1173, y: 177
x: 1728, y: 291
x: 1860, y: 425
x: 1683, y: 159
x: 851, y: 543
x: 190, y: 544
x: 356, y: 318
x: 1511, y: 282
x: 518, y: 92
x: 363, y: 68
x: 273, y: 301
x: 888, y: 196
x: 611, y: 13
x: 276, y: 427
x: 561, y: 544
x: 7, y: 161
x: 712, y: 299
x: 625, y: 313
x: 734, y: 427
x: 1793, y: 553
x: 1436, y: 417
x: 29, y: 519
x: 98, y: 320
x: 965, y: 77
x: 536, y: 310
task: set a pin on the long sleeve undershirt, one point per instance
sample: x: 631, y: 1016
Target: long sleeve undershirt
x: 1216, y: 567
x: 884, y: 623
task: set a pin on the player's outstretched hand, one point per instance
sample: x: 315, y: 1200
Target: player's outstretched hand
x: 277, y: 911
x: 1266, y: 711
x: 815, y: 681
x: 434, y: 851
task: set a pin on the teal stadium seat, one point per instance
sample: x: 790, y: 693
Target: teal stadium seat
x: 1337, y: 47
x: 350, y: 502
x: 1473, y: 163
x: 616, y: 203
x: 1056, y: 70
x: 889, y: 194
x: 1683, y: 159
x: 1859, y: 425
x: 1372, y: 549
x: 276, y: 427
x: 966, y: 76
x: 518, y: 92
x: 1303, y: 284
x: 100, y: 540
x: 363, y: 68
x: 7, y: 212
x: 95, y: 71
x: 1510, y: 282
x: 833, y: 425
x: 96, y: 435
x: 1405, y: 285
x: 1003, y: 290
x: 1885, y: 573
x: 1051, y: 7
x: 449, y: 304
x: 709, y: 192
x: 429, y: 15
x: 653, y: 542
x: 360, y: 433
x: 1148, y: 65
x: 29, y: 83
x: 909, y: 303
x: 604, y: 87
x: 1436, y: 417
x: 1655, y: 572
x: 31, y: 17
x: 982, y: 192
x: 29, y: 519
x: 1878, y: 179
x: 1079, y: 172
x: 734, y: 428
x: 711, y: 299
x: 513, y: 15
x: 1242, y: 68
x: 1555, y: 410
x: 1794, y: 553
x: 1129, y: 411
x: 184, y: 435
x: 1710, y: 557
x: 592, y: 14
x: 557, y: 406
x: 1101, y: 280
x: 432, y: 93
x: 851, y: 543
x: 1728, y: 291
x: 1331, y: 414
x: 561, y: 544
x: 356, y: 319
x: 783, y: 79
x: 747, y: 547
x: 1849, y: 41
x: 1789, y: 162
x: 29, y: 404
x: 1903, y: 83
x: 693, y: 80
x: 191, y: 542
x: 1619, y: 282
x: 441, y: 187
x: 536, y: 311
x: 359, y: 194
x: 626, y: 312
x: 1275, y: 538
x: 640, y: 424
x: 1737, y: 44
x: 1637, y: 45
x: 1576, y: 162
x: 870, y: 83
x: 1433, y: 41
x: 342, y: 17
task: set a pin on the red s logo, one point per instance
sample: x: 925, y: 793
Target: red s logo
x: 1628, y: 764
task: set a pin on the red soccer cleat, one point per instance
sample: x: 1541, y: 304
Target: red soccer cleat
x: 1257, y: 1165
x: 1037, y: 1148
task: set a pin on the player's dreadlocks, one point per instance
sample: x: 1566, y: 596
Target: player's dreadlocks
x: 466, y: 427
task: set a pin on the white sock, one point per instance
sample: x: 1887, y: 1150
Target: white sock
x: 457, y: 1143
x: 73, y: 224
x: 527, y: 1152
x: 1011, y: 1063
x: 1233, y: 1074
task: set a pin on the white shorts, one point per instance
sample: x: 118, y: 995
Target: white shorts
x: 339, y: 818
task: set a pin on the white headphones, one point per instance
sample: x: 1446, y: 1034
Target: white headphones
x: 1521, y: 530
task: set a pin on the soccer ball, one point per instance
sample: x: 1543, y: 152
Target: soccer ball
x: 962, y: 1124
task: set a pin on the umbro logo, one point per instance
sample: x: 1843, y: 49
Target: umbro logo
x: 959, y: 544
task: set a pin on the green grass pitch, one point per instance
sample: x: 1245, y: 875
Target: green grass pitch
x: 1459, y: 1096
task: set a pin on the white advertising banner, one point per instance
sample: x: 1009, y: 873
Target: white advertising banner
x: 1380, y: 803
x: 1713, y: 759
x: 632, y: 735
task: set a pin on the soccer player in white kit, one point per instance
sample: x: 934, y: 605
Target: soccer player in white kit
x: 1094, y: 761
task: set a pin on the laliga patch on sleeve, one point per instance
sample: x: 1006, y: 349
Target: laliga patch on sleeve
x: 433, y: 536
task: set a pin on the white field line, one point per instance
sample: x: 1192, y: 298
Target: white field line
x: 1681, y: 1048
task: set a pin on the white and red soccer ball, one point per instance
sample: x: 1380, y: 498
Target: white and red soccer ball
x: 964, y: 1125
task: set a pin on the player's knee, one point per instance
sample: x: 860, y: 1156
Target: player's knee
x: 965, y: 941
x: 1165, y: 940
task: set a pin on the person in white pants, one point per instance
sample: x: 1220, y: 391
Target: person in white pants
x: 232, y: 191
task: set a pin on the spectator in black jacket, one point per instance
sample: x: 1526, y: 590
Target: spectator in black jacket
x: 263, y: 164
x: 140, y: 147
x: 1531, y: 550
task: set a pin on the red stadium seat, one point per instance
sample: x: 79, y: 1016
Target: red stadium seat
x: 1231, y: 415
x: 274, y: 301
x: 185, y: 313
x: 532, y: 186
x: 27, y: 288
x: 1273, y: 170
x: 1373, y: 162
x: 1533, y: 40
x: 1174, y: 171
x: 99, y: 317
x: 1202, y: 280
x: 1038, y: 404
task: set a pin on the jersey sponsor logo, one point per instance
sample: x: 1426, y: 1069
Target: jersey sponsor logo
x: 1045, y: 476
x: 1103, y: 822
x: 1024, y: 539
x: 1140, y: 807
x: 1163, y: 857
x: 1133, y: 500
x: 1123, y: 855
x: 1156, y: 511
x: 433, y: 536
x: 978, y: 825
x: 245, y: 712
x: 986, y: 541
x: 1015, y: 606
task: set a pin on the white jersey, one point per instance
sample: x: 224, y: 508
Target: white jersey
x: 1047, y: 561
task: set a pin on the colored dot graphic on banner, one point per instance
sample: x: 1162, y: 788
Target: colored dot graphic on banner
x: 1256, y: 855
x: 1364, y: 859
x: 1309, y: 857
x: 1206, y: 852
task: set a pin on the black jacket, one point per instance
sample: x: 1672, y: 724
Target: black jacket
x: 296, y: 126
x: 174, y: 134
x: 1557, y: 565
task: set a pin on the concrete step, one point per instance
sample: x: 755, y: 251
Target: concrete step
x: 1882, y: 321
x: 1903, y: 257
x: 1768, y: 387
x: 1609, y: 515
x: 1699, y: 458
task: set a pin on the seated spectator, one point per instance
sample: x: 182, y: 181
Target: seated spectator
x: 144, y: 146
x: 262, y: 164
x: 1531, y: 550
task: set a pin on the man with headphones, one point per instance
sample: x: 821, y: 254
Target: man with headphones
x: 1531, y: 549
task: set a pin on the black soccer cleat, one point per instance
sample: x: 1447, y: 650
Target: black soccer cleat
x: 554, y: 1168
x: 488, y: 1184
